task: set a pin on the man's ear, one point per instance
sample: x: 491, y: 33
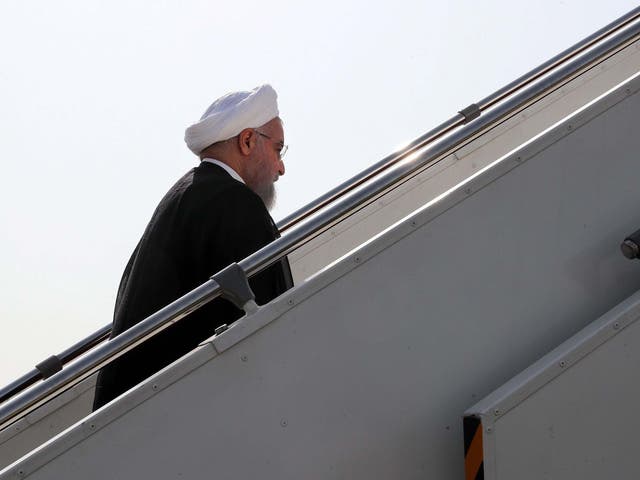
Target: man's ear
x: 246, y: 141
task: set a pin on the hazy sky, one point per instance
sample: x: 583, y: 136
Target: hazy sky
x: 95, y: 97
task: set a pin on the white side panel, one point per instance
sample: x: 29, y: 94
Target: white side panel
x: 573, y: 414
x: 47, y: 421
x: 365, y: 370
x: 464, y: 162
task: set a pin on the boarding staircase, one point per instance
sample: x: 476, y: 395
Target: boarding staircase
x: 462, y: 309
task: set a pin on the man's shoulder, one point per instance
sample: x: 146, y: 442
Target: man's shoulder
x: 213, y: 181
x: 209, y: 186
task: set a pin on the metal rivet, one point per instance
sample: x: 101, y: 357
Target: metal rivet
x: 357, y: 259
x: 290, y: 301
x: 284, y: 422
x: 628, y: 90
x: 496, y: 412
x: 21, y: 472
x: 489, y: 430
x: 467, y: 191
x: 413, y: 223
x: 562, y: 364
x: 244, y: 358
x: 518, y: 159
x: 616, y: 326
x: 154, y: 386
x: 569, y: 127
x: 92, y: 426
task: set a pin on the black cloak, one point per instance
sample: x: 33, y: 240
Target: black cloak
x: 205, y: 222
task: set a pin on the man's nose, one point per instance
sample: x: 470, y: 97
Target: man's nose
x: 280, y: 167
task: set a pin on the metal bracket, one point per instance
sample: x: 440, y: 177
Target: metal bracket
x: 630, y: 246
x: 235, y: 288
x: 470, y: 113
x: 49, y: 367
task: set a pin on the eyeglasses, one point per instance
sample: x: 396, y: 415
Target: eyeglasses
x: 283, y: 148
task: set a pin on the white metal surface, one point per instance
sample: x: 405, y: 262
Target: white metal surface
x: 572, y: 414
x: 49, y: 420
x: 464, y: 162
x: 365, y: 370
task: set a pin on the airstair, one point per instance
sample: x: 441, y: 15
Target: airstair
x: 462, y: 309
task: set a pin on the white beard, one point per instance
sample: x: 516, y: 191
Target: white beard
x: 267, y: 193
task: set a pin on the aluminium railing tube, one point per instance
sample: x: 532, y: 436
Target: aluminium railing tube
x: 428, y: 155
x: 107, y: 352
x: 455, y: 121
x: 567, y: 54
x: 20, y: 384
x: 370, y: 172
x: 93, y: 361
x: 71, y: 353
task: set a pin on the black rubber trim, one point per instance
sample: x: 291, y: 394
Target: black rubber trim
x: 49, y: 367
x: 470, y: 113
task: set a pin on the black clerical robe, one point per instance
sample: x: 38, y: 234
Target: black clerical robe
x: 207, y: 221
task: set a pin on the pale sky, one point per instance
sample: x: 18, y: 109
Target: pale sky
x: 95, y: 97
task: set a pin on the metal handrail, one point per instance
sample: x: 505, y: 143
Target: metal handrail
x: 68, y: 355
x: 310, y: 227
x: 459, y: 119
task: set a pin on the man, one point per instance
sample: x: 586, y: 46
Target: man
x: 213, y: 216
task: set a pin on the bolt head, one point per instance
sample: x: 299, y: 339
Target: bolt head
x: 629, y: 249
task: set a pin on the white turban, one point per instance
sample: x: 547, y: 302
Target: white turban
x: 230, y: 114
